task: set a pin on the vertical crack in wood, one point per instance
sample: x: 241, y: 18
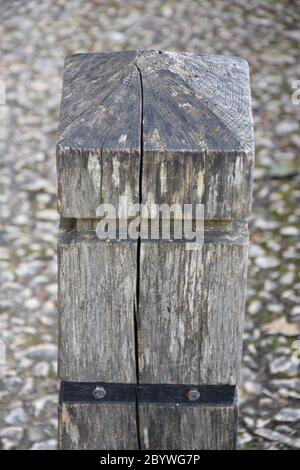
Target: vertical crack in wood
x: 101, y: 174
x: 137, y: 297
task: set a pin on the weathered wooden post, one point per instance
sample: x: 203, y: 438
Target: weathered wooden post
x: 151, y: 332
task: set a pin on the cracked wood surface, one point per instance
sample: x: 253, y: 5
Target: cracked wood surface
x: 191, y: 312
x: 97, y: 427
x: 97, y: 282
x: 173, y: 427
x: 158, y: 127
x: 189, y: 317
x: 188, y: 428
x: 197, y: 132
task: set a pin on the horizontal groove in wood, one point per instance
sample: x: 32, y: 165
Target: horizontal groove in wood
x: 83, y: 225
x: 237, y: 234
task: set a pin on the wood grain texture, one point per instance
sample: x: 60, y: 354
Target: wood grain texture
x: 188, y: 428
x: 158, y: 127
x: 97, y: 427
x: 98, y: 149
x: 97, y: 282
x: 162, y: 427
x: 191, y: 310
x: 197, y: 132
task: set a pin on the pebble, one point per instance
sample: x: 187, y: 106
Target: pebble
x: 295, y: 310
x: 288, y: 394
x: 291, y: 384
x: 46, y: 352
x: 254, y: 307
x: 12, y: 383
x: 281, y: 326
x: 41, y: 369
x: 283, y: 365
x: 286, y: 127
x: 51, y: 444
x: 244, y: 439
x: 267, y: 262
x: 255, y: 250
x: 261, y: 423
x: 275, y: 308
x: 29, y: 269
x: 290, y: 231
x: 28, y: 387
x: 16, y: 417
x: 287, y: 279
x: 48, y: 214
x: 253, y: 388
x: 288, y: 415
x: 32, y: 304
x: 7, y: 444
x: 249, y: 422
x: 42, y: 403
x: 278, y: 437
x: 14, y: 433
x: 263, y: 224
x: 295, y: 139
x: 36, y: 434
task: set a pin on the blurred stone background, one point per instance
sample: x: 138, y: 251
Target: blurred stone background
x: 35, y: 37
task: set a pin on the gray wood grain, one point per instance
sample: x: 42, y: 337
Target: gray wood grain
x: 158, y: 127
x: 198, y: 132
x: 97, y: 282
x: 188, y: 427
x: 99, y: 132
x: 195, y: 113
x: 191, y: 310
x: 97, y: 427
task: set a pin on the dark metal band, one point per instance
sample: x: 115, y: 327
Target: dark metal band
x: 190, y: 395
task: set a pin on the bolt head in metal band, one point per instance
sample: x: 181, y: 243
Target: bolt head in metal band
x: 99, y: 393
x: 193, y: 395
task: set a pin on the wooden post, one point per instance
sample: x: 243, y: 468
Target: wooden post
x: 150, y: 331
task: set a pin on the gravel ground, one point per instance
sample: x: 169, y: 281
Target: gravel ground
x: 35, y: 37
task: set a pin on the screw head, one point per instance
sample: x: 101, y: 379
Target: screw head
x: 99, y: 393
x: 193, y: 394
